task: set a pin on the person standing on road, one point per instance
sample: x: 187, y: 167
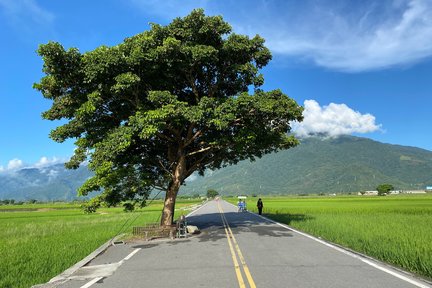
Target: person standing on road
x: 260, y: 206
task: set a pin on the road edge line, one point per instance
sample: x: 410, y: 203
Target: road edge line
x: 377, y: 264
x: 131, y: 254
x: 91, y: 282
x: 63, y: 276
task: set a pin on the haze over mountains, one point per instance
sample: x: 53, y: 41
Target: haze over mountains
x: 338, y: 165
x: 49, y: 183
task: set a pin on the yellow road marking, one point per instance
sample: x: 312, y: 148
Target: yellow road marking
x: 236, y: 265
x: 245, y: 267
x: 230, y: 237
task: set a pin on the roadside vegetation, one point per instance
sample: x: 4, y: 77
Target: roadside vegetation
x: 395, y: 229
x: 39, y: 241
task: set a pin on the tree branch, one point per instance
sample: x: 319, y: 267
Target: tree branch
x: 197, y: 164
x: 160, y: 135
x: 164, y: 168
x: 199, y: 151
x: 162, y: 188
x: 193, y: 138
x: 175, y: 132
x: 193, y: 86
x: 213, y: 89
x: 190, y: 130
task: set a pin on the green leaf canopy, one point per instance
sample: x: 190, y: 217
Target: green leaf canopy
x: 163, y: 104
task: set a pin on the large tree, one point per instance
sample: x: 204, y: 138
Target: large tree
x: 384, y: 189
x: 164, y: 104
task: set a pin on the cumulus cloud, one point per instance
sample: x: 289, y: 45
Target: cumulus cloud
x: 45, y: 161
x: 45, y: 164
x: 15, y: 164
x: 333, y: 120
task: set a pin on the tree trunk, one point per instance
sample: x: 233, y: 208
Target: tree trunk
x: 171, y: 194
x: 169, y: 205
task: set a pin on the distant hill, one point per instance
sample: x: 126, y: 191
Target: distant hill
x: 44, y: 184
x: 345, y: 164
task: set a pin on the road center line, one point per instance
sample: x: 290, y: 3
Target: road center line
x: 230, y: 237
x: 245, y: 267
x: 234, y: 258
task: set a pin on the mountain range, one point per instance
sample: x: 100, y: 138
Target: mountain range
x: 317, y: 165
x: 53, y: 182
x: 323, y: 165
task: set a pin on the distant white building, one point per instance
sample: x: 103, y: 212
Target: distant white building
x: 369, y: 193
x: 414, y: 192
x: 395, y: 192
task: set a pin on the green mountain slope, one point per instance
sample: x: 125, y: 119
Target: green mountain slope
x: 345, y: 164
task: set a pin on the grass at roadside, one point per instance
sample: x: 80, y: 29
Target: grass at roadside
x: 394, y: 229
x: 37, y: 245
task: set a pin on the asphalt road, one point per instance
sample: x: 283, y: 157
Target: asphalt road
x: 235, y: 250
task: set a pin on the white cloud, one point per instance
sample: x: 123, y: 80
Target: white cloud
x: 333, y: 120
x: 26, y: 8
x: 45, y: 166
x: 366, y: 37
x: 45, y: 161
x: 348, y: 36
x: 26, y: 14
x: 52, y: 174
x: 15, y: 164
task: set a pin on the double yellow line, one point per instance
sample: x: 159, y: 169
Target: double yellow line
x: 234, y: 248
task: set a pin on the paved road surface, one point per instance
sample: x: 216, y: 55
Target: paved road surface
x: 235, y: 250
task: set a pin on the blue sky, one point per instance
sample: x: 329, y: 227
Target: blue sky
x: 359, y: 67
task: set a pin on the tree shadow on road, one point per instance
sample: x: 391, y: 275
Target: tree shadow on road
x: 212, y: 227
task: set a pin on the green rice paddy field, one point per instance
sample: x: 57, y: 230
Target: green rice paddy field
x: 395, y: 229
x: 39, y: 241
